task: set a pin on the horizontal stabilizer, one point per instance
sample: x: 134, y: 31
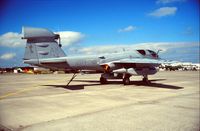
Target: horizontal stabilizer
x: 30, y: 32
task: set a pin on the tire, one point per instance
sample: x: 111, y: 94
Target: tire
x: 145, y: 80
x: 103, y: 80
x: 126, y: 81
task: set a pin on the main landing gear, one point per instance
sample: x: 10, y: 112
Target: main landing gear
x: 125, y: 78
x: 145, y: 79
x: 103, y: 80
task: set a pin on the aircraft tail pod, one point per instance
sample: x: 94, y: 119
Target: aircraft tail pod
x: 41, y: 43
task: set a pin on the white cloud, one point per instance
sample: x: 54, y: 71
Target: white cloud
x: 127, y: 29
x: 70, y: 37
x: 12, y: 39
x: 188, y: 31
x: 168, y: 1
x: 164, y: 11
x: 164, y: 46
x: 7, y: 56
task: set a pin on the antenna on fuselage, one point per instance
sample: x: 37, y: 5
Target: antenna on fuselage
x: 158, y: 51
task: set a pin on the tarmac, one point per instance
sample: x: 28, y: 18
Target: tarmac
x: 44, y: 103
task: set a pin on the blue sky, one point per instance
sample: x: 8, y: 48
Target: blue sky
x: 170, y: 24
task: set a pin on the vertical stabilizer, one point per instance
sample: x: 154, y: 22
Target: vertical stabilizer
x: 41, y: 43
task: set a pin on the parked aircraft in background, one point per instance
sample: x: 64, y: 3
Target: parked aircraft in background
x: 43, y: 48
x: 176, y: 65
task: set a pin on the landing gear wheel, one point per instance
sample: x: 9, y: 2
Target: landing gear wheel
x: 103, y: 80
x: 126, y: 81
x: 145, y: 79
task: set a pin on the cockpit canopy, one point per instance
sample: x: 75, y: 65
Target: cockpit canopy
x: 148, y: 52
x: 142, y: 52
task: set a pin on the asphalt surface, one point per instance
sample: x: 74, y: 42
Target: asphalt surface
x: 43, y: 103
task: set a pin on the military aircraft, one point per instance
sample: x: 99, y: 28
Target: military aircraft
x: 43, y: 49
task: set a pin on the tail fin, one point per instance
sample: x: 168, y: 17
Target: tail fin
x: 41, y: 43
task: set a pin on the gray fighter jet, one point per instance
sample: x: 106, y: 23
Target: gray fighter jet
x: 43, y: 48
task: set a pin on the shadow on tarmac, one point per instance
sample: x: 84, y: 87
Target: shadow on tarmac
x: 136, y: 83
x: 72, y: 87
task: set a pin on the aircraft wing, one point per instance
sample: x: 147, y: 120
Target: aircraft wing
x: 139, y: 61
x: 134, y: 62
